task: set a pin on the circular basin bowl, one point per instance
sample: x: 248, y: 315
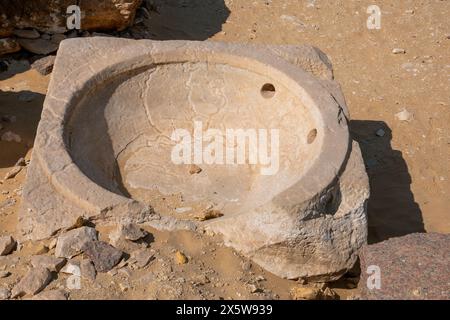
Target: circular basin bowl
x: 192, y: 133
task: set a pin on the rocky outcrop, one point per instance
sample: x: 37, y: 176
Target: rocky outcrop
x: 50, y: 16
x: 415, y: 266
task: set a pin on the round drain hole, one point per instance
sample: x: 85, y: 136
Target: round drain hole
x: 268, y: 90
x: 312, y: 136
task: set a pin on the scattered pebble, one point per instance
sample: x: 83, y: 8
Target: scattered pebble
x: 11, y: 137
x: 142, y: 257
x: 4, y: 274
x: 404, y: 115
x: 398, y: 51
x: 180, y: 258
x: 7, y: 245
x: 380, y: 132
x: 209, y: 214
x: 194, y: 169
x: 128, y: 231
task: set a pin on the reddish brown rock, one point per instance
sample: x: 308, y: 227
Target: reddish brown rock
x: 416, y: 266
x: 50, y: 16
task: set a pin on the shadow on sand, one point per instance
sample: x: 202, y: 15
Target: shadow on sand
x: 392, y: 210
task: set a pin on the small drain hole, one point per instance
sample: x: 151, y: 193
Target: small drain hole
x: 268, y: 90
x: 312, y: 136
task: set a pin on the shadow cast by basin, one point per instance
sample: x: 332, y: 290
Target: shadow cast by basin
x: 20, y: 113
x: 180, y: 19
x: 392, y: 209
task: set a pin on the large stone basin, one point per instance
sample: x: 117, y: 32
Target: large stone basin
x: 110, y: 148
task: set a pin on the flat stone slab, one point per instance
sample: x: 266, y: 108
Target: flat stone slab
x: 416, y: 266
x: 116, y: 110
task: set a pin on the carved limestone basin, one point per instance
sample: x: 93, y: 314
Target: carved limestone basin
x: 249, y: 142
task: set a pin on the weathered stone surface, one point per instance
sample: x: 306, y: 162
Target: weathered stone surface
x: 34, y: 282
x: 50, y: 16
x: 4, y: 274
x: 132, y: 232
x: 9, y: 45
x: 38, y: 46
x: 413, y: 267
x: 103, y: 255
x: 7, y: 244
x: 12, y: 173
x: 26, y: 33
x: 4, y: 294
x: 44, y: 65
x: 51, y: 263
x: 88, y: 270
x: 71, y: 243
x: 306, y: 220
x: 57, y: 294
x: 142, y: 257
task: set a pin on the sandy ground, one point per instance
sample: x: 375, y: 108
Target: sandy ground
x: 408, y: 167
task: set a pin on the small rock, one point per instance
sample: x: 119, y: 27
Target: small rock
x: 128, y: 231
x: 380, y: 133
x: 194, y: 169
x: 200, y: 280
x: 124, y: 287
x: 7, y: 245
x: 254, y: 289
x: 54, y: 295
x: 142, y: 257
x: 72, y: 267
x: 27, y: 96
x: 305, y: 293
x: 329, y: 294
x: 33, y: 282
x: 103, y: 255
x: 246, y: 265
x: 57, y: 38
x: 8, y: 45
x: 12, y: 173
x: 51, y: 263
x: 10, y: 137
x: 4, y: 294
x: 21, y: 162
x: 26, y: 33
x: 4, y: 274
x: 404, y: 115
x: 52, y: 244
x: 44, y: 65
x: 398, y: 51
x: 8, y: 118
x: 88, y: 270
x: 209, y: 215
x: 38, y: 46
x: 71, y: 243
x: 180, y: 258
